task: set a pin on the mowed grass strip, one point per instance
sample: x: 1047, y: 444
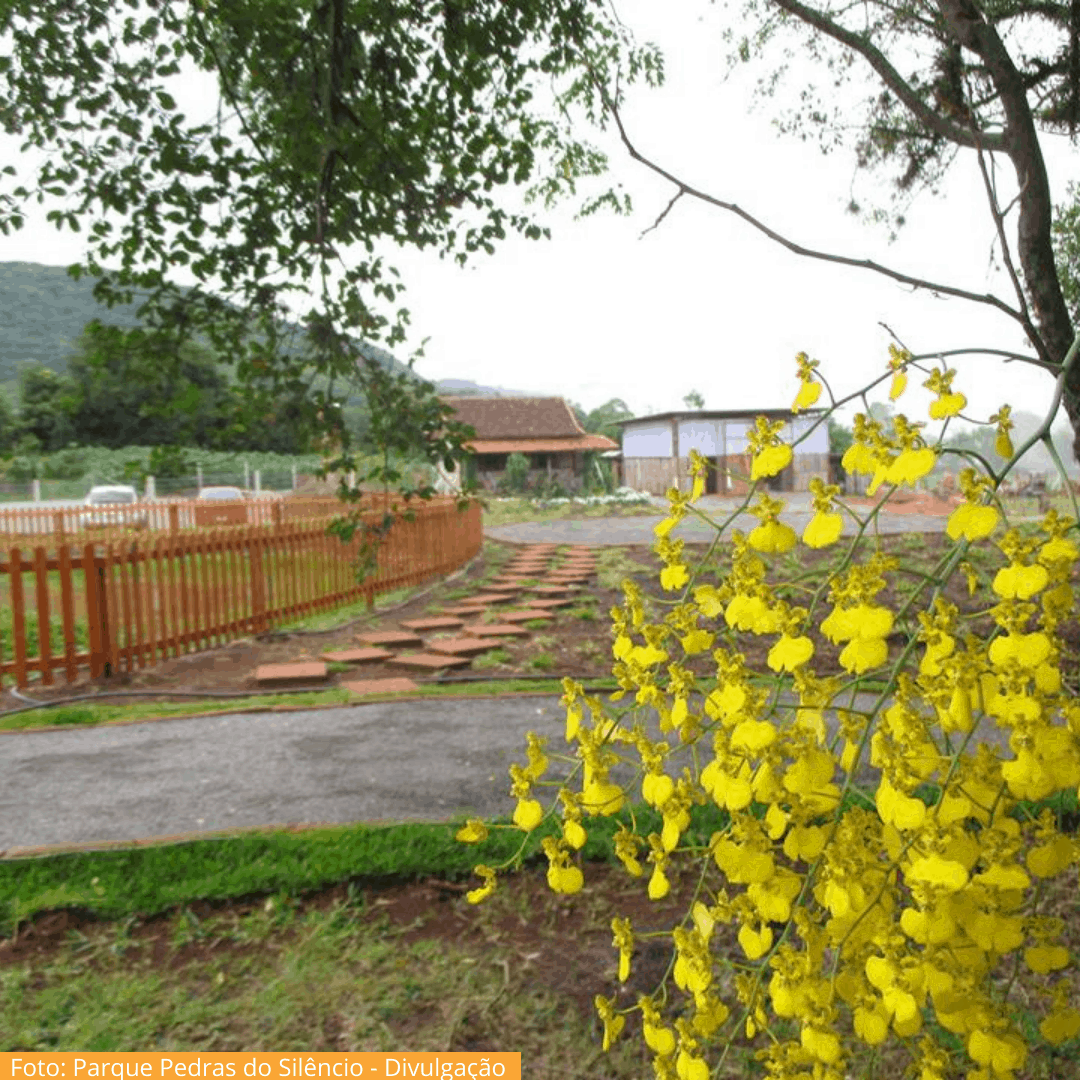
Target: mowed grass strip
x: 90, y: 714
x: 148, y: 880
x: 145, y: 881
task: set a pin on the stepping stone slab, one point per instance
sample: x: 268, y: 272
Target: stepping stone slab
x: 551, y: 590
x: 525, y: 616
x: 496, y: 630
x: 398, y: 638
x: 430, y: 661
x: 548, y: 605
x: 490, y: 598
x: 306, y: 671
x: 381, y: 686
x: 466, y: 610
x: 356, y: 656
x: 462, y: 646
x: 439, y: 622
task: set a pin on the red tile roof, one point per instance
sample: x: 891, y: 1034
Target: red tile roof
x: 514, y: 418
x: 541, y: 446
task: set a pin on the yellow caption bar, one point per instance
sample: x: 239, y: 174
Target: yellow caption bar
x: 258, y: 1066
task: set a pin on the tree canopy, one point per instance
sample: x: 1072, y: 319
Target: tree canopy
x: 344, y: 127
x: 606, y: 419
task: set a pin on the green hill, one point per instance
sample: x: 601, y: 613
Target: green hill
x: 43, y: 312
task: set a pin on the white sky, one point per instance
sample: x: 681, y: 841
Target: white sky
x: 703, y: 302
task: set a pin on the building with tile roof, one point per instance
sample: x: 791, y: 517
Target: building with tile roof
x: 544, y: 429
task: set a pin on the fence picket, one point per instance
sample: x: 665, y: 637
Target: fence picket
x: 202, y: 548
x: 138, y: 602
x: 94, y: 614
x: 67, y: 611
x: 44, y: 614
x: 154, y: 622
x: 112, y: 609
x: 174, y: 600
x: 18, y: 617
x: 123, y: 568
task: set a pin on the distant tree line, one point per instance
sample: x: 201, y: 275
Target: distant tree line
x: 111, y: 398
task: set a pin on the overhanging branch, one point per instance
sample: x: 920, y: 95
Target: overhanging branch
x: 940, y: 125
x: 798, y: 249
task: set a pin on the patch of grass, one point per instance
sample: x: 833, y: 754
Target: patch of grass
x: 537, y: 624
x: 459, y: 593
x: 591, y: 650
x: 339, y: 667
x: 115, y: 884
x: 336, y: 979
x: 489, y: 660
x: 542, y: 662
x: 583, y: 613
x: 91, y: 713
x: 522, y: 685
x: 149, y: 880
x: 347, y: 613
x: 512, y: 511
x: 613, y: 566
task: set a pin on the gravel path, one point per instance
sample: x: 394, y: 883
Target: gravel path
x: 604, y: 532
x: 395, y: 761
x: 183, y: 777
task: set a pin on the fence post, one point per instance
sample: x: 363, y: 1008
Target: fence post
x: 258, y: 481
x: 247, y: 478
x: 174, y: 518
x: 198, y: 478
x: 35, y: 489
x: 294, y: 476
x: 150, y: 490
x: 58, y: 523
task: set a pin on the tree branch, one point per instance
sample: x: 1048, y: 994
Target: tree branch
x: 941, y: 125
x: 1020, y: 141
x: 664, y: 213
x: 999, y: 224
x: 799, y: 249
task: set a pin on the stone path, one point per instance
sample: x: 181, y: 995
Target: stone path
x: 538, y: 579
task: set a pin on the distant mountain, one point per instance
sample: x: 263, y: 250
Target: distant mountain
x: 465, y: 388
x: 43, y: 312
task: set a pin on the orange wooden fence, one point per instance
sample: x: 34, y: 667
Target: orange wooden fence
x: 104, y: 607
x: 169, y: 514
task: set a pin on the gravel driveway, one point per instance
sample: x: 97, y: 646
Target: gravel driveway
x: 614, y: 531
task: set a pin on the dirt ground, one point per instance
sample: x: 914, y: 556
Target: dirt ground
x: 434, y: 908
x: 575, y: 643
